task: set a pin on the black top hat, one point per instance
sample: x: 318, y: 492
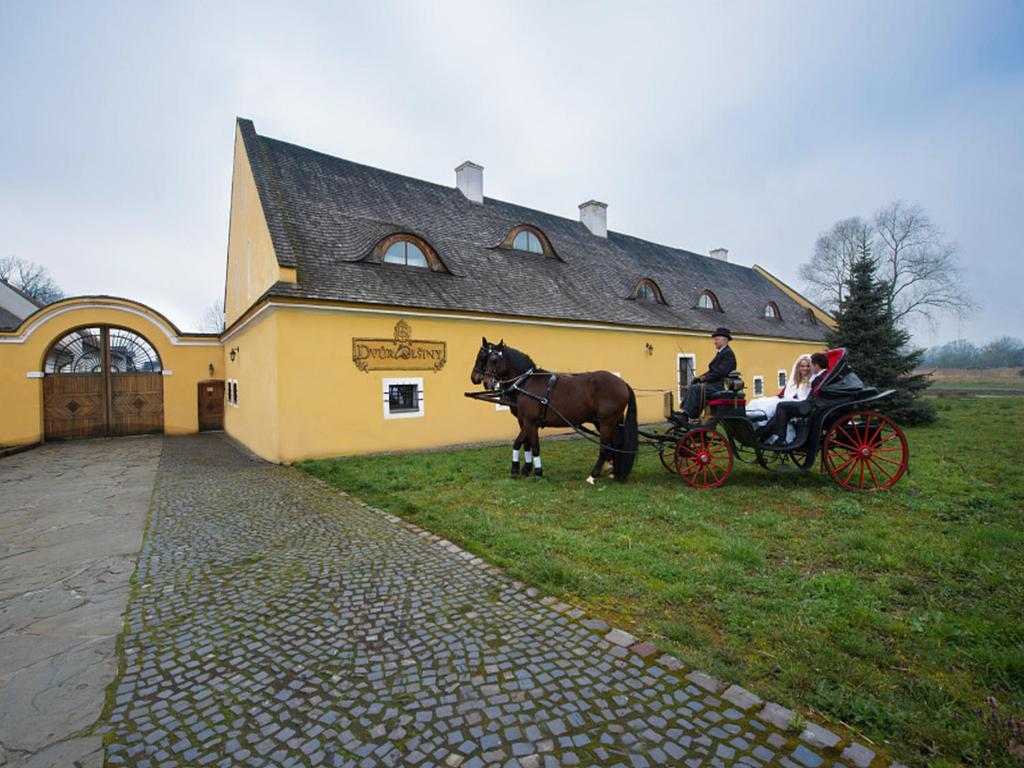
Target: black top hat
x: 722, y: 332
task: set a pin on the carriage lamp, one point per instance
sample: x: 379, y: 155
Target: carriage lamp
x: 211, y: 370
x: 649, y: 347
x: 233, y: 353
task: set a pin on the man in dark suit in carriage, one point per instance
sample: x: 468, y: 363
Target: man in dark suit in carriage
x: 712, y: 381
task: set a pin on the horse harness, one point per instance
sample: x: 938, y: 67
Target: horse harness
x: 511, y: 391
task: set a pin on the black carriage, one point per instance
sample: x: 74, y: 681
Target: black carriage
x: 861, y: 449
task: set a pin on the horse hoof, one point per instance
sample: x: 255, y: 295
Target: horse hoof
x: 515, y: 470
x: 590, y: 479
x: 538, y: 473
x: 528, y: 471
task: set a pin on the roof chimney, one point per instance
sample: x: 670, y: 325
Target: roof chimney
x: 594, y: 216
x: 722, y: 254
x: 469, y: 178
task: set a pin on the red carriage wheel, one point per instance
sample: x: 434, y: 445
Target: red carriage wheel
x: 703, y: 458
x: 865, y: 451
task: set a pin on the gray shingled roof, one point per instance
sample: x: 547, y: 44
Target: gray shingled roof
x: 326, y: 215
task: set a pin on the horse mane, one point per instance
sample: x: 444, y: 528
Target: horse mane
x: 519, y: 362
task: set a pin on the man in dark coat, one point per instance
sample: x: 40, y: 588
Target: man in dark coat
x: 711, y: 381
x: 789, y: 409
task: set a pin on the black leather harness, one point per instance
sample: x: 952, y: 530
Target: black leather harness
x: 512, y: 390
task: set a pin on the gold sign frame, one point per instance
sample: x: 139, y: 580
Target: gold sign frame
x: 400, y: 353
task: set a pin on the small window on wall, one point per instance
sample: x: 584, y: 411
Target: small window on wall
x: 685, y: 372
x: 231, y: 390
x: 782, y: 379
x: 758, y: 386
x: 403, y: 398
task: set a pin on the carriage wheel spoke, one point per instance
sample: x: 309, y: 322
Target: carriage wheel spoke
x: 871, y: 471
x: 883, y: 471
x: 887, y: 460
x: 850, y: 458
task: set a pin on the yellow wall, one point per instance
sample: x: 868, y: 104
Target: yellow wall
x: 252, y: 263
x: 325, y: 406
x: 22, y: 351
x: 254, y: 420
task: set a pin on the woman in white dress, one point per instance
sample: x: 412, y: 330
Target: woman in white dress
x: 798, y: 387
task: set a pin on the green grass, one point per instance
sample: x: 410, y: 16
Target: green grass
x: 895, y: 614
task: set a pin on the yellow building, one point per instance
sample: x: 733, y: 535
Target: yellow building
x: 356, y: 299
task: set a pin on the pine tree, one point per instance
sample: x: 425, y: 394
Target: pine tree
x: 877, y: 347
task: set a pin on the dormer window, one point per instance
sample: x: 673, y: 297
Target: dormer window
x: 528, y: 239
x: 809, y: 318
x: 771, y: 311
x: 407, y: 251
x: 647, y: 290
x: 708, y: 300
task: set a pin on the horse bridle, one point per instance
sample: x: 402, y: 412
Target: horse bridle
x: 489, y: 349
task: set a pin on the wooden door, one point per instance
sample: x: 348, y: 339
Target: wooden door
x: 74, y: 405
x: 211, y: 405
x: 136, y: 403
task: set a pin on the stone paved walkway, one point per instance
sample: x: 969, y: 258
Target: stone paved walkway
x: 277, y: 622
x: 72, y: 517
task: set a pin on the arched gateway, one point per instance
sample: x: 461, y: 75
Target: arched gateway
x: 102, y: 380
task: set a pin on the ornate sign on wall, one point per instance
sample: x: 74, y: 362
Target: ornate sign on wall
x: 402, y: 353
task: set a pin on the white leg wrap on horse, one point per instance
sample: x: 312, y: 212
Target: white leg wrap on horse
x: 536, y: 462
x: 529, y: 457
x: 590, y: 479
x: 515, y: 455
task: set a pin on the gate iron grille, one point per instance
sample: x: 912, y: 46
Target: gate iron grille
x: 81, y: 351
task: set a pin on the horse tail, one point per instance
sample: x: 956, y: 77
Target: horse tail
x: 628, y: 441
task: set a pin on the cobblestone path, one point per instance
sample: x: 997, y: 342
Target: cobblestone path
x: 277, y: 622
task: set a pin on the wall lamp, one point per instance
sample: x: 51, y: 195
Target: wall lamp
x: 649, y: 347
x: 211, y: 370
x: 233, y: 353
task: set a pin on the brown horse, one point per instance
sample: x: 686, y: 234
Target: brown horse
x: 539, y: 398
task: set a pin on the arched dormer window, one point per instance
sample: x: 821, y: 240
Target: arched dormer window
x: 708, y: 300
x: 404, y: 250
x: 647, y: 290
x: 771, y: 311
x: 809, y: 318
x: 528, y: 239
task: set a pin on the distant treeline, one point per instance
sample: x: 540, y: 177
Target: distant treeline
x: 1005, y: 352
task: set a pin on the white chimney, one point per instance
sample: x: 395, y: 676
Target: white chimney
x: 594, y: 216
x: 469, y: 178
x: 722, y: 254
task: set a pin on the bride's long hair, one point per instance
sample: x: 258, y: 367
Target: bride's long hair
x: 796, y: 377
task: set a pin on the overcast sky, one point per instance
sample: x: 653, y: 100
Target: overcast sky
x: 749, y: 126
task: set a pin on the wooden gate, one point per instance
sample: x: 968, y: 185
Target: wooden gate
x: 211, y: 405
x: 102, y: 381
x: 74, y: 405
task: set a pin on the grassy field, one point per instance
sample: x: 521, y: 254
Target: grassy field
x: 994, y: 380
x: 896, y: 615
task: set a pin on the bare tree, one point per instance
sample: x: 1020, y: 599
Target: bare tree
x: 212, y: 320
x: 30, y: 278
x: 828, y: 272
x: 915, y: 263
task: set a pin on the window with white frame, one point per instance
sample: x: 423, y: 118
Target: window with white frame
x: 403, y: 398
x: 686, y: 366
x: 782, y: 379
x: 231, y: 391
x: 758, y: 386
